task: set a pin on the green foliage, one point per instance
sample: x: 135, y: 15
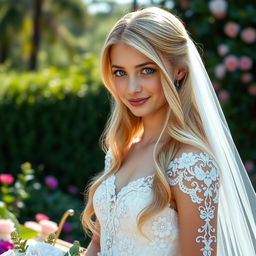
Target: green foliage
x: 56, y: 26
x: 42, y: 199
x: 13, y: 194
x: 20, y: 245
x: 26, y: 233
x: 74, y: 250
x: 54, y: 203
x: 50, y: 239
x: 6, y: 214
x: 53, y: 119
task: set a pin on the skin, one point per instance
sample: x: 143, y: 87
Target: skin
x: 136, y: 76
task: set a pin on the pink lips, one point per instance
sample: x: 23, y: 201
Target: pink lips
x: 138, y: 101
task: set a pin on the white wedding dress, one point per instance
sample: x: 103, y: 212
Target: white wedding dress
x: 117, y: 213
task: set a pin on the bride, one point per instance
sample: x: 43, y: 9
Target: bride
x: 173, y: 182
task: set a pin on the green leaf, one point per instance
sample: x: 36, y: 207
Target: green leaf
x: 3, y: 210
x: 74, y: 249
x: 8, y: 198
x: 27, y: 233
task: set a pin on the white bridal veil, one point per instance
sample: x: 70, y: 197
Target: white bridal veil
x: 237, y: 200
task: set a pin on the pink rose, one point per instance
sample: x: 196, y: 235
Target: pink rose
x: 231, y: 29
x: 220, y: 71
x: 6, y: 226
x: 41, y: 216
x: 252, y: 90
x: 218, y: 8
x: 231, y: 62
x: 223, y: 95
x: 245, y: 63
x: 248, y: 35
x: 6, y: 178
x: 33, y: 225
x: 249, y: 165
x: 246, y: 77
x: 48, y: 226
x: 223, y: 49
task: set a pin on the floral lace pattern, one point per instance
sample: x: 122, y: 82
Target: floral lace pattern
x: 107, y: 161
x: 200, y: 172
x: 118, y: 212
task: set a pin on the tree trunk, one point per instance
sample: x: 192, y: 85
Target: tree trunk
x: 134, y: 5
x: 36, y: 34
x: 3, y: 51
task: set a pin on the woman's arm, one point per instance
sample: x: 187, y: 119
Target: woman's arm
x: 194, y: 181
x: 94, y: 246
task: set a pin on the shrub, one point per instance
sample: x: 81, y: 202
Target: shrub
x: 53, y: 119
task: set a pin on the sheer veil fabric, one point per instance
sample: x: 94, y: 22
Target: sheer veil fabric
x: 237, y: 199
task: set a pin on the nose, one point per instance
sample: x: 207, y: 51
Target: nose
x: 134, y: 85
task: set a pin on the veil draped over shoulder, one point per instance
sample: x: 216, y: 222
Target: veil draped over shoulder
x: 237, y: 200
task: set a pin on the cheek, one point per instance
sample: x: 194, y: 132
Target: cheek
x: 155, y: 86
x: 119, y: 88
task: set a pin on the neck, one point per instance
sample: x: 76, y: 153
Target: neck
x: 153, y: 126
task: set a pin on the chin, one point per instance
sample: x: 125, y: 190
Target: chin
x: 138, y: 113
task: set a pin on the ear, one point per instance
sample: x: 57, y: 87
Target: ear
x: 180, y: 73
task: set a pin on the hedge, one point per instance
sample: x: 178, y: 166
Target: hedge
x: 53, y: 119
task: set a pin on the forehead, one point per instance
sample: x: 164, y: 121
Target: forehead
x: 123, y: 54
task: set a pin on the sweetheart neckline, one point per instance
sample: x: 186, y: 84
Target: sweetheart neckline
x: 129, y: 183
x: 117, y: 195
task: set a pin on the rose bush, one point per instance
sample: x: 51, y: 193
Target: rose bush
x: 226, y: 33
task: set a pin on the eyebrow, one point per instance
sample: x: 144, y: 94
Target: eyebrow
x: 137, y: 66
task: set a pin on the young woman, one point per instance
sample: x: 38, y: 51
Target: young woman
x: 173, y: 182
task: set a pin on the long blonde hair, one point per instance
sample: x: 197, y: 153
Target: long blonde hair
x: 160, y: 36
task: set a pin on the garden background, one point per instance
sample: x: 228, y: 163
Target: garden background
x: 53, y: 106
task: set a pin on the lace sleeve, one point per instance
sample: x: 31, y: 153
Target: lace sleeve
x: 107, y: 161
x: 194, y: 178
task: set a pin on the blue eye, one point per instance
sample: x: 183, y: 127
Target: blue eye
x: 119, y: 73
x: 148, y: 71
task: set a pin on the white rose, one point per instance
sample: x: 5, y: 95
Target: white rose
x: 43, y: 249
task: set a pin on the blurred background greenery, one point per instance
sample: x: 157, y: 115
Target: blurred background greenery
x: 53, y: 106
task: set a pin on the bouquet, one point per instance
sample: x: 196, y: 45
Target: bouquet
x: 35, y: 248
x: 40, y: 238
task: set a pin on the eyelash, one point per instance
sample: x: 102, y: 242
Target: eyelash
x: 115, y: 73
x: 152, y: 70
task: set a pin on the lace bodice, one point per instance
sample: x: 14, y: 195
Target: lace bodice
x: 117, y: 213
